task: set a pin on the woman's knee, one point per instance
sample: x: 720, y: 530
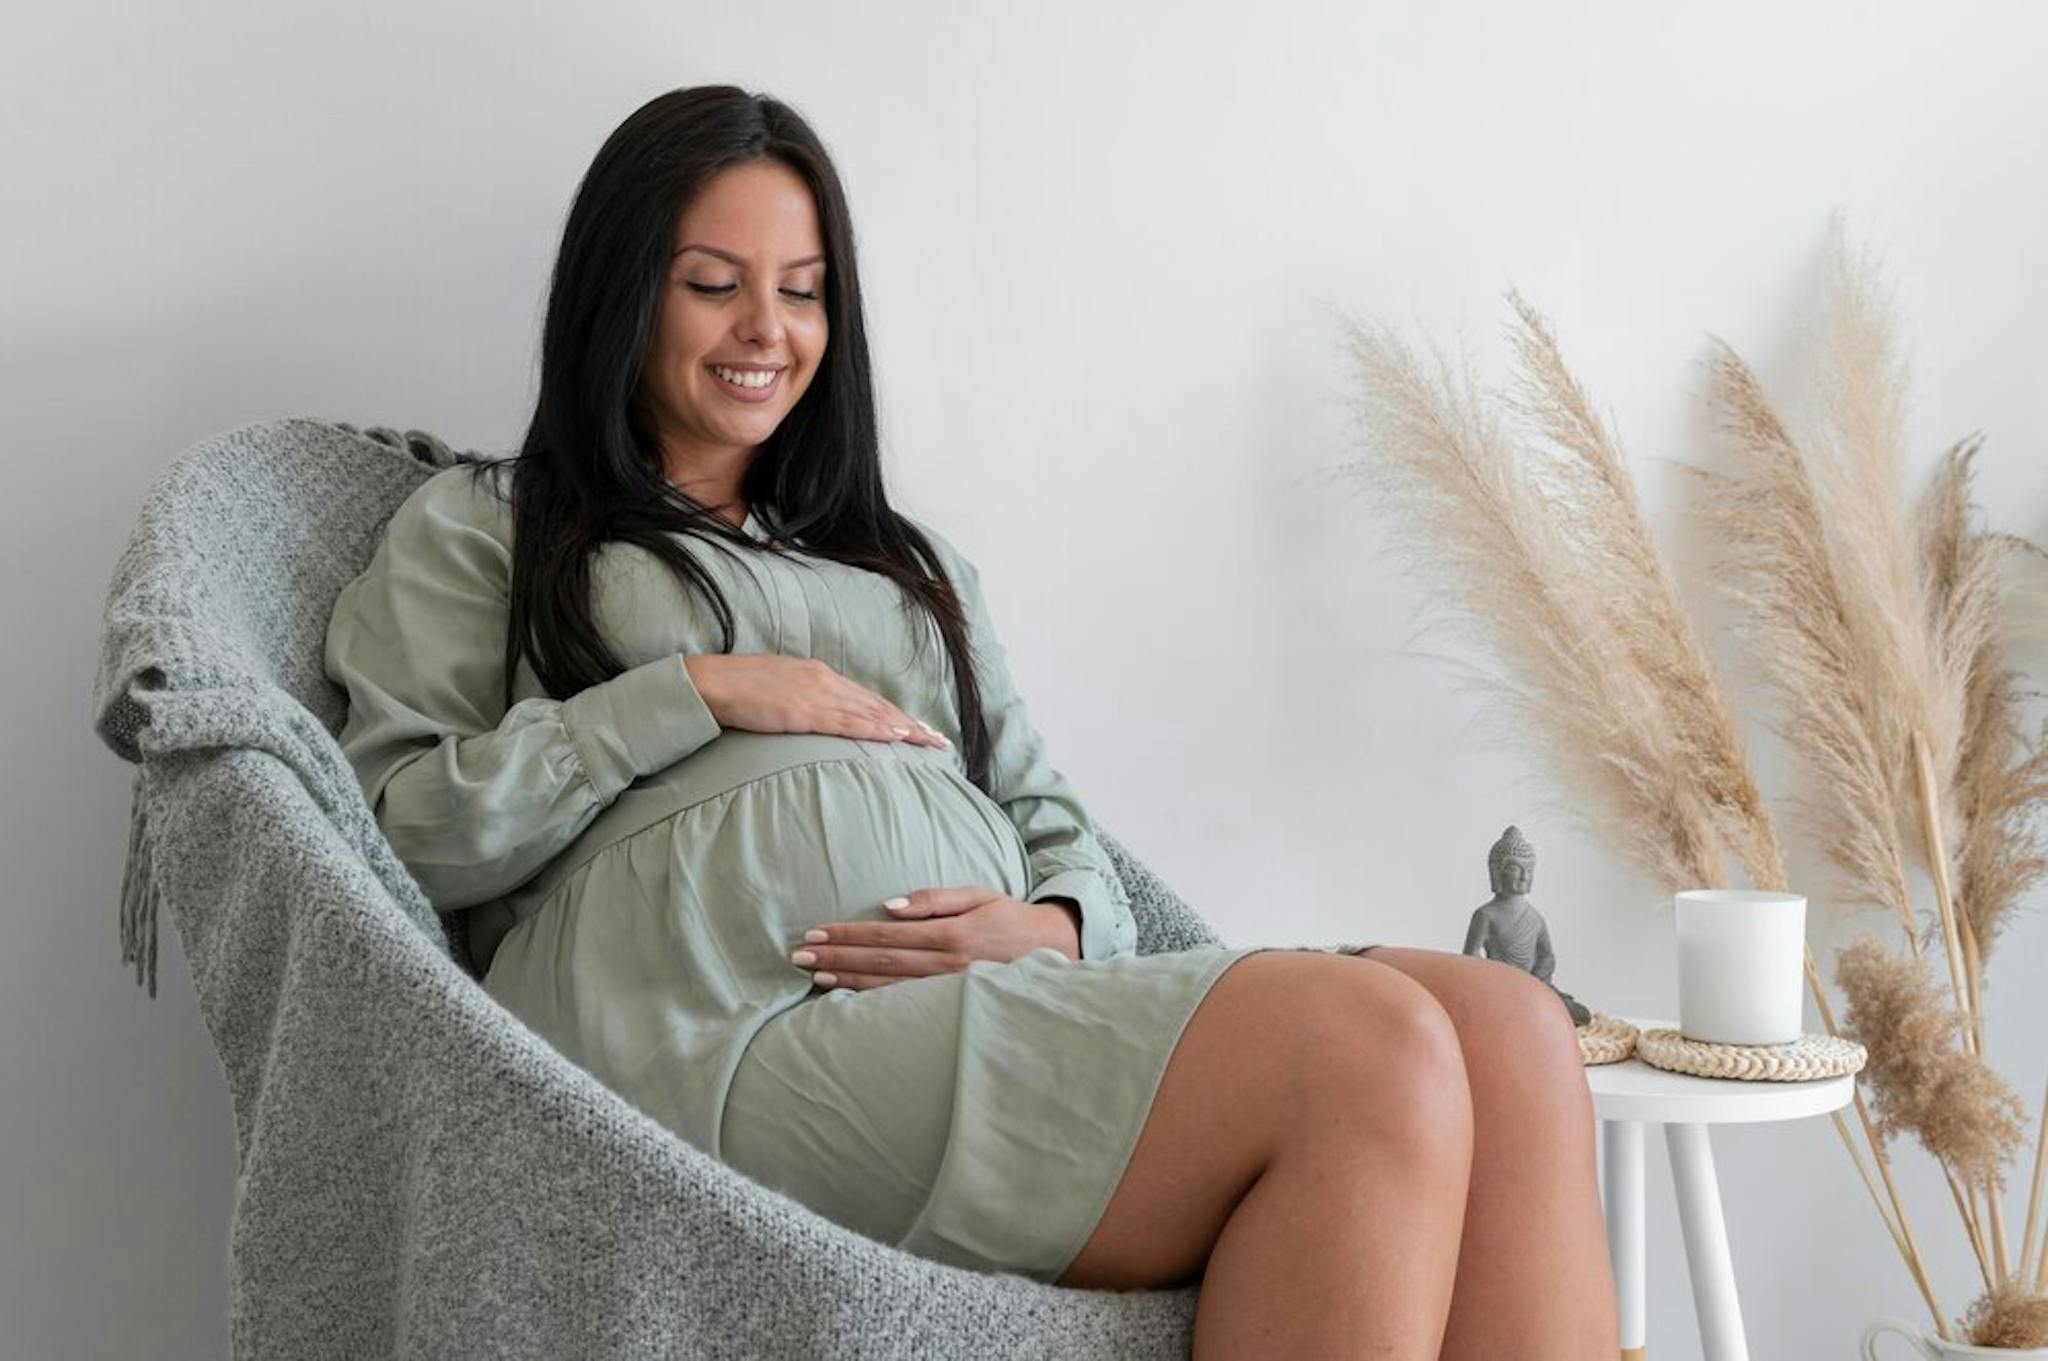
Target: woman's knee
x: 1494, y: 1004
x: 1381, y: 1049
x: 1525, y: 1017
x: 1521, y: 1046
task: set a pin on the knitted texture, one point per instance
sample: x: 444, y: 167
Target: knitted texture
x: 419, y: 1173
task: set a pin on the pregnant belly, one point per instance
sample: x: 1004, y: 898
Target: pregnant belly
x: 756, y: 837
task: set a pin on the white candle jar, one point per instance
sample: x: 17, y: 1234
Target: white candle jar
x: 1741, y: 966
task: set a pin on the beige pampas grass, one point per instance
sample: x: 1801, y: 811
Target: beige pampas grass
x: 2001, y: 778
x: 1917, y: 685
x: 1550, y: 559
x: 1875, y: 632
x: 2011, y: 1316
x: 1595, y: 499
x: 1467, y: 507
x: 1859, y: 449
x: 1912, y: 693
x: 1797, y: 622
x: 1926, y: 1085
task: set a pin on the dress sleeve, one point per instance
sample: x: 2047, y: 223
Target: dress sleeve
x: 476, y: 798
x: 1065, y: 857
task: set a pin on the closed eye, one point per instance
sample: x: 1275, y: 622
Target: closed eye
x: 720, y: 290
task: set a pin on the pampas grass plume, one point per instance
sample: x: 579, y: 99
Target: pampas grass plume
x: 1924, y: 1084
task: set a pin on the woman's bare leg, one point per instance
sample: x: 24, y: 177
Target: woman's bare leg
x: 1534, y: 1277
x: 1306, y: 1158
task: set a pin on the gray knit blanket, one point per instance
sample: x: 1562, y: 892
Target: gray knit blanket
x: 419, y: 1174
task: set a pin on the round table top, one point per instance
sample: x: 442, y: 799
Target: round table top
x: 1634, y: 1090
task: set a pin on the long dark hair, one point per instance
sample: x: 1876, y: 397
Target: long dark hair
x: 590, y: 470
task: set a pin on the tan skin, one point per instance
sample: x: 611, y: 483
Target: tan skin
x: 1388, y: 1155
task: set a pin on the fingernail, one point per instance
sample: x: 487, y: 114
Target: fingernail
x: 900, y: 731
x: 824, y: 980
x: 813, y: 937
x: 803, y: 957
x: 898, y: 903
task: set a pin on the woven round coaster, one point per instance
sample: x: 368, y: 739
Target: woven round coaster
x: 1605, y: 1039
x: 1809, y: 1056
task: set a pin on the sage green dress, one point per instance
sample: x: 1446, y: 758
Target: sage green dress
x: 637, y: 877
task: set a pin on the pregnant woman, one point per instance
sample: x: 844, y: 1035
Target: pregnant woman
x: 721, y: 757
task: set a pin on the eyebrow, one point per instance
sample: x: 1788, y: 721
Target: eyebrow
x: 737, y: 260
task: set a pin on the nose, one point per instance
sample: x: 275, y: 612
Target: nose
x: 760, y: 321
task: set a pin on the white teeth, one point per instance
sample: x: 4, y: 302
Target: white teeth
x: 745, y: 380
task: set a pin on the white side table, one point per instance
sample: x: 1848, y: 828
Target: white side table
x: 1631, y: 1094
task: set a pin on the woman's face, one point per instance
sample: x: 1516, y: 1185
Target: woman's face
x: 744, y: 298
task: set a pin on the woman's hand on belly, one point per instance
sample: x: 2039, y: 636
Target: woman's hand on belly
x: 769, y: 692
x: 939, y: 930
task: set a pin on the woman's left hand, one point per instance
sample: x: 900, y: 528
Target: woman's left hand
x: 942, y: 930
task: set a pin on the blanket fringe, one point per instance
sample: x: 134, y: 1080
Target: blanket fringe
x: 139, y: 895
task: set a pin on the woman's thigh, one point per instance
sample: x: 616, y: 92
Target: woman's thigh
x: 1278, y: 1033
x: 818, y: 1112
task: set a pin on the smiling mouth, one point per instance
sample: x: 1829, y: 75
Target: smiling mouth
x: 744, y: 391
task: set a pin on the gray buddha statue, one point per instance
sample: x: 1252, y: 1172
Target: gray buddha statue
x: 1507, y: 927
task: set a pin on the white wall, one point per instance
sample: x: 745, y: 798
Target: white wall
x: 1098, y: 241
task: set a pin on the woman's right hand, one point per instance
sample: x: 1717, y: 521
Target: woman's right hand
x: 768, y: 692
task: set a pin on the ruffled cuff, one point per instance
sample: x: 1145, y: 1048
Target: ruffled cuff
x: 1107, y: 927
x: 642, y: 720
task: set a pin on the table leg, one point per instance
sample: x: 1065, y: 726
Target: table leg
x: 1706, y: 1243
x: 1621, y: 1142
